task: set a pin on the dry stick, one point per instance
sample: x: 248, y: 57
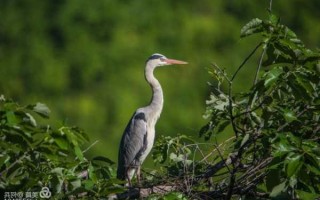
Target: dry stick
x: 204, y: 157
x: 235, y: 161
x: 254, y: 170
x: 215, y: 149
x: 135, y: 193
x: 253, y: 182
x: 165, y: 187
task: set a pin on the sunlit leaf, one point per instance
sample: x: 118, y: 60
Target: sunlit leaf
x: 245, y: 139
x: 254, y: 26
x: 42, y: 110
x: 75, y: 183
x: 278, y: 189
x: 31, y: 119
x: 272, y: 76
x: 289, y: 115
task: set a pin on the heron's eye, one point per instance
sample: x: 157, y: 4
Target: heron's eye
x: 162, y: 59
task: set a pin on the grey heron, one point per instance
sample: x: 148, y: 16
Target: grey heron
x: 138, y: 137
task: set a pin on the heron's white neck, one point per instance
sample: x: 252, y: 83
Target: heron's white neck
x: 156, y: 103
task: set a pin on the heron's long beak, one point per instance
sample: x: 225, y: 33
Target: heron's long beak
x: 175, y: 62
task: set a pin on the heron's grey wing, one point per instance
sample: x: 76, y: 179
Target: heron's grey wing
x: 133, y: 143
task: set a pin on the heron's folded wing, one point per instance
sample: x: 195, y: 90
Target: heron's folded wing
x: 135, y: 141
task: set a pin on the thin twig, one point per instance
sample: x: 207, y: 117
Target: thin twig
x: 95, y: 142
x: 230, y: 108
x: 217, y: 147
x: 14, y: 163
x: 222, y: 72
x: 259, y: 66
x: 245, y: 61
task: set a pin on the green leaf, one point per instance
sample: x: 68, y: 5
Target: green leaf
x: 62, y: 143
x: 283, y: 147
x: 273, y: 176
x: 11, y: 118
x: 272, y: 76
x: 313, y: 169
x: 222, y: 126
x: 92, y: 175
x: 42, y: 110
x: 78, y: 152
x: 31, y: 120
x: 180, y: 158
x: 103, y: 159
x: 58, y: 171
x: 88, y: 184
x: 174, y: 196
x: 274, y: 19
x: 245, y: 139
x: 294, y: 164
x: 253, y: 26
x: 4, y: 159
x: 76, y: 183
x: 297, y: 89
x: 278, y: 189
x: 307, y: 195
x: 303, y: 79
x: 289, y: 115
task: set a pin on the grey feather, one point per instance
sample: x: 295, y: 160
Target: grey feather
x: 132, y: 145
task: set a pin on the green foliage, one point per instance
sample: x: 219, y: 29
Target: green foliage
x: 277, y: 117
x: 33, y: 156
x: 167, y: 144
x: 273, y: 149
x: 85, y: 59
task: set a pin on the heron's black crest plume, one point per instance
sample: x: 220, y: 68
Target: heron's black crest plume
x: 155, y: 56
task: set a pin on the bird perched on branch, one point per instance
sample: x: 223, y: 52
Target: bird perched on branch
x: 138, y: 137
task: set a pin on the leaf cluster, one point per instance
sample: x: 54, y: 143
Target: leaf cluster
x: 273, y: 144
x: 35, y: 156
x: 277, y: 120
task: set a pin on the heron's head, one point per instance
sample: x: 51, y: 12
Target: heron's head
x: 157, y: 60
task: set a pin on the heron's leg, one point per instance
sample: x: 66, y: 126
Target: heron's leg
x: 139, y: 175
x: 128, y: 178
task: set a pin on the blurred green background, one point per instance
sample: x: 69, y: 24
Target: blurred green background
x: 85, y: 59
